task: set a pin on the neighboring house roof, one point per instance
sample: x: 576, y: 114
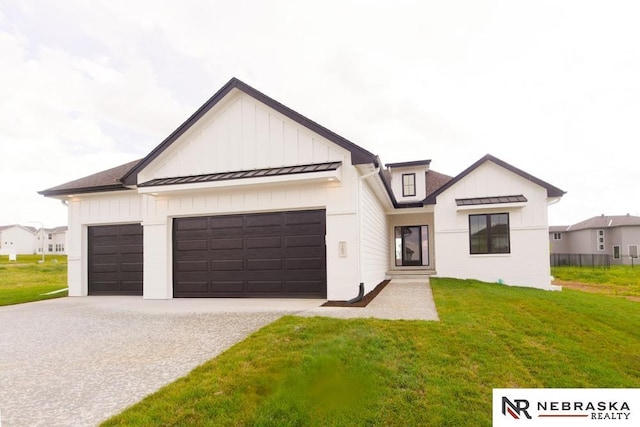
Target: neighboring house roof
x: 558, y: 228
x: 24, y: 227
x: 254, y: 173
x: 107, y: 180
x: 358, y: 154
x: 605, y: 221
x: 551, y: 190
x: 55, y: 230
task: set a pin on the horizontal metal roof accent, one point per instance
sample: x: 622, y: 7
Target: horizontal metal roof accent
x: 255, y: 173
x: 490, y: 200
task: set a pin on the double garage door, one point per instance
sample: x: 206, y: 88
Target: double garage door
x: 279, y: 254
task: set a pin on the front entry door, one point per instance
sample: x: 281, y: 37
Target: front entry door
x: 412, y: 245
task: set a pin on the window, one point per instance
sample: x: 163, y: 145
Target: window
x: 50, y: 248
x: 50, y: 236
x: 600, y: 240
x: 408, y: 184
x: 557, y: 236
x: 489, y: 234
x: 633, y: 251
x: 616, y: 252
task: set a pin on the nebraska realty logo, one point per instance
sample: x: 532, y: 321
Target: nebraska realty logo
x: 566, y: 407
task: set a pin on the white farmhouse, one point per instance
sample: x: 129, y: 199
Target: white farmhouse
x: 248, y: 198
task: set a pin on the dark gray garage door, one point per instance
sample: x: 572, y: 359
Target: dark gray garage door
x: 280, y: 254
x: 115, y: 260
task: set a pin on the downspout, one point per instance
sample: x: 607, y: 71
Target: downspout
x: 359, y: 232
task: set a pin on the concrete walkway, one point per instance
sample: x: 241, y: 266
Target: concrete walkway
x: 399, y: 300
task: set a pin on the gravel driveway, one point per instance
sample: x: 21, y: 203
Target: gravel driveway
x: 77, y: 361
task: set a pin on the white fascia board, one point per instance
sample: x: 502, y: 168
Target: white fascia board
x: 324, y: 176
x: 516, y: 205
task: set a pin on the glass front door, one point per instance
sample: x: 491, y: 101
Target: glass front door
x: 412, y: 245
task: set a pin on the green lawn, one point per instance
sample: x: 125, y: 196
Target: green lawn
x: 27, y: 279
x: 618, y: 280
x: 330, y: 372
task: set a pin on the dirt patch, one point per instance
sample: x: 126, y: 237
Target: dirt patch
x: 363, y: 302
x: 592, y: 288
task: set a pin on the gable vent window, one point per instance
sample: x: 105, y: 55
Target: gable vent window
x: 408, y: 184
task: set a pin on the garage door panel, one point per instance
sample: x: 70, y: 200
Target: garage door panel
x: 252, y: 255
x: 305, y: 217
x: 190, y: 266
x: 263, y: 221
x: 187, y: 224
x: 227, y: 265
x: 305, y: 264
x: 105, y: 250
x: 304, y: 286
x: 264, y: 242
x: 265, y: 286
x: 227, y: 286
x: 128, y: 267
x: 225, y: 243
x: 304, y: 241
x: 115, y: 264
x: 201, y: 287
x: 225, y: 222
x: 264, y: 264
x: 192, y: 245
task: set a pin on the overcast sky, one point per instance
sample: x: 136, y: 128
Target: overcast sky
x: 552, y: 87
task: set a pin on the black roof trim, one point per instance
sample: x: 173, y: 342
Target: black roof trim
x: 409, y: 164
x: 474, y: 201
x: 358, y: 154
x: 84, y: 190
x: 551, y: 190
x: 254, y: 173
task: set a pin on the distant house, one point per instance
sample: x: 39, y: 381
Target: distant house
x: 16, y: 239
x: 23, y: 240
x: 617, y: 236
x: 52, y: 240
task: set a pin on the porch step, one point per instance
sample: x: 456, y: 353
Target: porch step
x: 409, y: 275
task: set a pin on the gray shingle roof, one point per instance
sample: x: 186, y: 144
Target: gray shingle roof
x: 107, y: 180
x: 606, y: 221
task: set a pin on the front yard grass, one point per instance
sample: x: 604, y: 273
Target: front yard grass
x: 618, y: 280
x: 330, y: 372
x: 26, y: 279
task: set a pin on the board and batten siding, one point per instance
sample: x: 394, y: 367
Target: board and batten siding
x: 528, y: 262
x: 95, y: 209
x: 374, y: 238
x: 240, y: 134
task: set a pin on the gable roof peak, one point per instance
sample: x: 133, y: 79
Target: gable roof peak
x: 552, y: 191
x: 358, y: 154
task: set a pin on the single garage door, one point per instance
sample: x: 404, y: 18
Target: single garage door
x: 280, y: 254
x: 115, y: 259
